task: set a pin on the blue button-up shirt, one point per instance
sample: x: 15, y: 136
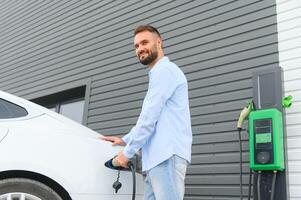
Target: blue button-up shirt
x: 163, y: 128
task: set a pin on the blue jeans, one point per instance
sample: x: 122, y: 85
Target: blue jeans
x: 166, y: 180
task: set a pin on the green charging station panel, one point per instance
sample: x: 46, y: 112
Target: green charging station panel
x: 266, y: 140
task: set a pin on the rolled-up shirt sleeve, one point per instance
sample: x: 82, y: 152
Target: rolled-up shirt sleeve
x: 161, y: 87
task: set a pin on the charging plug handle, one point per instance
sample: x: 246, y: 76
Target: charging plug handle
x: 244, y: 114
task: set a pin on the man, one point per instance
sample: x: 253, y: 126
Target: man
x: 163, y: 130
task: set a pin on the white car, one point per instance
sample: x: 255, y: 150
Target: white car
x: 46, y: 156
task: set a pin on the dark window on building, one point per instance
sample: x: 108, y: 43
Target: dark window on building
x: 11, y: 110
x: 69, y: 103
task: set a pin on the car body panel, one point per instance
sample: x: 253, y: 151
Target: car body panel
x: 52, y: 145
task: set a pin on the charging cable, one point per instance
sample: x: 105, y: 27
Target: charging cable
x: 273, y: 184
x: 133, y: 169
x: 243, y: 115
x: 240, y: 163
x: 258, y: 185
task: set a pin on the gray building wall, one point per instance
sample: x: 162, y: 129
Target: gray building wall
x: 50, y: 46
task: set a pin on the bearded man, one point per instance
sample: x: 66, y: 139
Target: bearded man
x: 163, y: 130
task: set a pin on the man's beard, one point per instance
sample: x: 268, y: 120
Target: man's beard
x: 152, y: 55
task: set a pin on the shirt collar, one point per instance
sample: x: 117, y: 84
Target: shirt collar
x: 159, y: 63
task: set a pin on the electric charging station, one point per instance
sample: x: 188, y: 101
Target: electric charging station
x: 266, y: 133
x: 266, y: 136
x: 266, y: 140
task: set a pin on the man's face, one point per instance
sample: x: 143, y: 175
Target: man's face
x: 146, y: 45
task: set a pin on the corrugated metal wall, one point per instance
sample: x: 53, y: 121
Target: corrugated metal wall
x: 46, y: 46
x: 289, y: 28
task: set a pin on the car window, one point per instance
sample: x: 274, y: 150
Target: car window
x: 11, y: 110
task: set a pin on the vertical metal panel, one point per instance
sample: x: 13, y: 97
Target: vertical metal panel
x: 51, y: 45
x: 289, y: 21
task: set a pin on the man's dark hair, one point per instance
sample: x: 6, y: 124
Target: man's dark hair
x: 149, y: 28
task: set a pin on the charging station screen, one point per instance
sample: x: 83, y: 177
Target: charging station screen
x: 264, y: 138
x: 263, y: 141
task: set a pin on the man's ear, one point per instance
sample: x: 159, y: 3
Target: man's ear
x: 159, y: 43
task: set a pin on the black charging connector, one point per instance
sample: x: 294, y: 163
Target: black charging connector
x: 131, y: 167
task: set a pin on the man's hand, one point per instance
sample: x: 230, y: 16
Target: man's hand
x: 115, y: 140
x: 121, y: 159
